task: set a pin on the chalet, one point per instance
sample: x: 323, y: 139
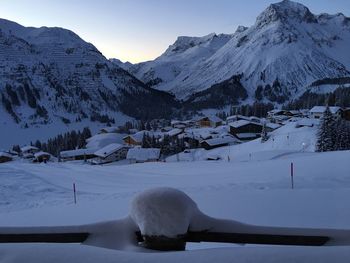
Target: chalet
x: 12, y: 152
x: 29, y: 151
x: 110, y: 153
x: 5, y: 157
x: 182, y: 124
x: 141, y: 155
x: 99, y: 141
x: 219, y: 142
x: 245, y: 130
x: 136, y: 139
x: 78, y: 154
x: 278, y: 116
x: 40, y: 157
x: 209, y: 121
x: 236, y: 117
x: 318, y: 111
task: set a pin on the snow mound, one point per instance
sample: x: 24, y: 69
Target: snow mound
x: 163, y: 212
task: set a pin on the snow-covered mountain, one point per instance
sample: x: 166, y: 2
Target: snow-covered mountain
x: 277, y: 58
x: 51, y: 75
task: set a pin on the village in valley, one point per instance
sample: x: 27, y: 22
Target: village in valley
x: 178, y: 140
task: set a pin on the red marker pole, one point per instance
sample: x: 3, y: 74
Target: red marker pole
x: 292, y: 174
x: 75, y: 194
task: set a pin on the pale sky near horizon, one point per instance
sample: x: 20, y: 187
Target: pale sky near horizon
x: 140, y: 30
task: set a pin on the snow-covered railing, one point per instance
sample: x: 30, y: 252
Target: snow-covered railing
x: 165, y: 219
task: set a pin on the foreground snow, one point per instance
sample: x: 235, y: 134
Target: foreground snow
x: 255, y: 191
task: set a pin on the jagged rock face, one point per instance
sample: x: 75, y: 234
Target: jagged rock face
x: 287, y: 44
x: 51, y: 72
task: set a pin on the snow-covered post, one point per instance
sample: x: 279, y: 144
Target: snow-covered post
x: 75, y: 195
x: 163, y: 216
x: 292, y: 174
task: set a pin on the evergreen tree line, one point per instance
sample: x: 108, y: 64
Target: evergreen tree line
x: 258, y: 109
x: 62, y: 142
x: 168, y: 145
x: 333, y: 134
x: 340, y: 97
x: 141, y: 125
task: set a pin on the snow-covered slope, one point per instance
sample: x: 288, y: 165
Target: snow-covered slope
x: 50, y: 75
x: 287, y: 46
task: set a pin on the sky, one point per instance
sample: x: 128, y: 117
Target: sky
x: 141, y: 30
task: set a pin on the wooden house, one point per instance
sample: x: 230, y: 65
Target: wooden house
x: 236, y: 117
x: 5, y: 157
x: 40, y: 157
x: 110, y: 153
x: 279, y: 116
x: 219, y: 142
x: 78, y: 154
x: 318, y: 111
x: 209, y: 121
x: 29, y: 151
x: 136, y: 139
x: 245, y: 130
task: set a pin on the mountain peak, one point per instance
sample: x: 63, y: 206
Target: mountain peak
x: 285, y: 11
x: 183, y: 43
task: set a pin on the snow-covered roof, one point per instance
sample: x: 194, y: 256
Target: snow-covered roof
x: 139, y: 135
x: 237, y: 116
x: 3, y: 154
x: 322, y: 109
x: 108, y: 150
x: 143, y: 154
x: 294, y: 112
x: 28, y: 148
x: 272, y: 125
x: 221, y: 140
x: 246, y: 135
x: 101, y: 140
x: 77, y: 152
x: 174, y: 132
x: 39, y: 154
x: 241, y: 123
x: 254, y: 118
x: 214, y: 118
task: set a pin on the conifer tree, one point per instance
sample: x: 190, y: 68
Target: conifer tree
x: 264, y: 136
x: 326, y: 137
x: 343, y: 135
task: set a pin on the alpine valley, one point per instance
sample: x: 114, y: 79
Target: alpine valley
x: 51, y: 77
